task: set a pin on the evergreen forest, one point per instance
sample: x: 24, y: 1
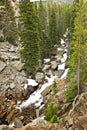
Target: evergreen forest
x: 37, y: 31
x: 42, y: 28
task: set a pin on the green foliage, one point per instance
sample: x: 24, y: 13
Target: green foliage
x: 53, y: 25
x: 77, y: 62
x: 64, y: 19
x: 54, y: 88
x: 29, y: 34
x: 43, y: 28
x: 54, y: 119
x: 71, y: 91
x: 84, y: 74
x: 1, y: 39
x: 51, y: 113
x: 9, y: 24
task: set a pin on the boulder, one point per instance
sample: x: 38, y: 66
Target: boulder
x: 4, y: 56
x: 17, y: 122
x: 79, y: 111
x: 14, y: 57
x: 12, y: 49
x: 49, y: 72
x: 58, y: 58
x: 2, y: 66
x: 4, y: 46
x: 20, y: 79
x: 53, y: 65
x: 46, y: 91
x: 12, y: 85
x: 13, y: 76
x: 80, y: 104
x: 82, y: 121
x: 39, y: 77
x: 3, y: 127
x: 60, y: 96
x: 17, y: 65
x: 59, y: 73
x: 38, y: 122
x: 46, y: 67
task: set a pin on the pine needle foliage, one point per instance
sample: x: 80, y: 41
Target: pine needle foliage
x: 8, y: 23
x: 30, y: 40
x: 51, y: 113
x: 77, y: 62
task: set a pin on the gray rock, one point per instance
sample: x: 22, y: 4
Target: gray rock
x: 60, y: 73
x: 70, y: 121
x: 58, y: 58
x: 4, y: 56
x: 12, y: 85
x: 12, y: 49
x: 39, y: 77
x: 17, y: 65
x: 23, y: 73
x: 3, y: 127
x: 20, y: 79
x: 46, y: 91
x: 39, y: 122
x: 17, y: 123
x: 2, y: 66
x: 53, y: 65
x: 14, y: 57
x: 13, y: 76
x: 49, y: 72
x: 46, y: 67
x: 4, y: 47
x: 66, y: 106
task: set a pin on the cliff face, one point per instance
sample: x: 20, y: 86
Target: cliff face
x: 11, y: 73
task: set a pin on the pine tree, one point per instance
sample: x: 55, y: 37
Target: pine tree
x: 78, y: 47
x: 30, y: 53
x: 64, y: 19
x: 43, y: 28
x: 53, y: 25
x: 79, y: 38
x: 9, y: 25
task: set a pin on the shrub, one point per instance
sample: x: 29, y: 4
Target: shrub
x: 71, y: 91
x: 54, y: 119
x: 1, y: 39
x: 54, y: 88
x: 51, y: 113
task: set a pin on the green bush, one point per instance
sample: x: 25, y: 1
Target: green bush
x: 1, y: 39
x: 54, y: 119
x: 54, y: 88
x: 51, y: 113
x: 71, y: 91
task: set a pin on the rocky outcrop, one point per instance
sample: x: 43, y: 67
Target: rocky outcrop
x: 39, y: 77
x: 77, y: 118
x: 2, y: 66
x: 7, y: 109
x: 11, y: 68
x: 45, y: 126
x: 79, y: 106
x: 12, y: 79
x: 54, y: 65
x: 4, y: 127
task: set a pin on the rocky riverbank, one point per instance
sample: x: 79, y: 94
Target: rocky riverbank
x: 23, y: 99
